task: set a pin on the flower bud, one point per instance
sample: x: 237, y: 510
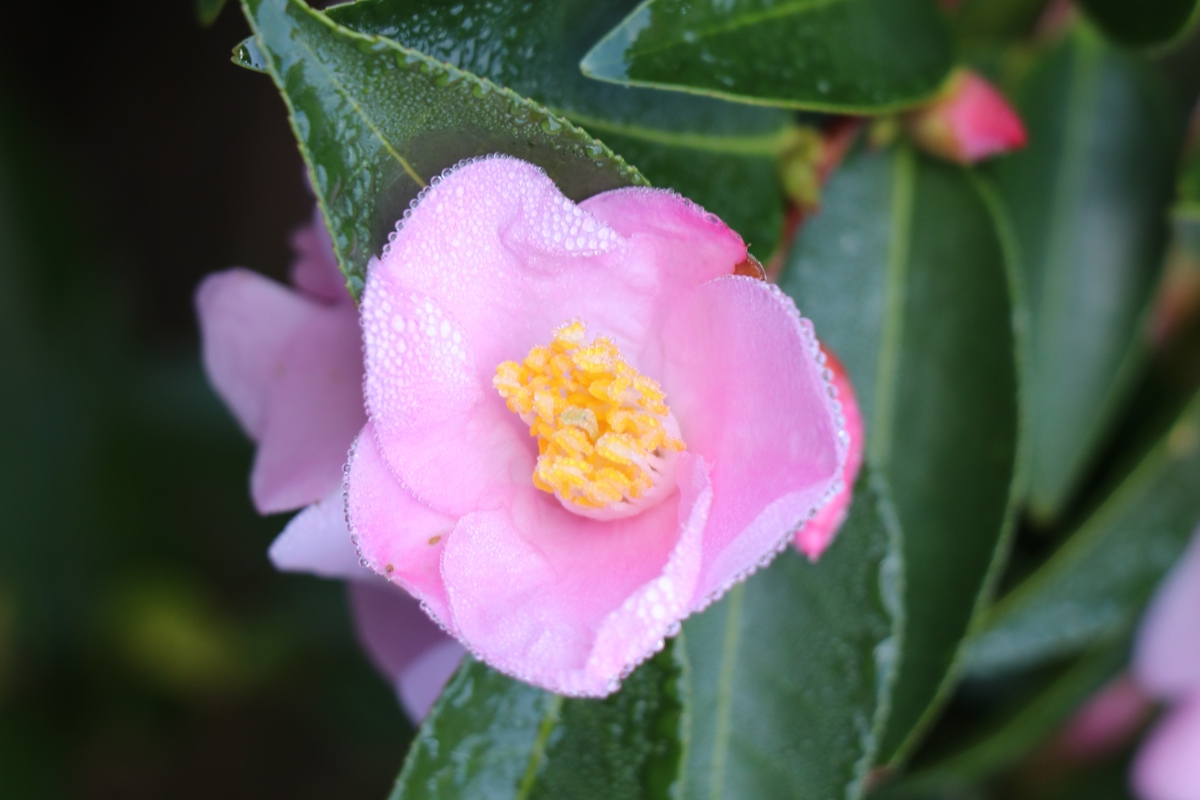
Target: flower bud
x: 969, y: 121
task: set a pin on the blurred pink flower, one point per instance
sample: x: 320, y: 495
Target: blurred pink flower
x: 1167, y: 667
x: 583, y: 425
x: 288, y: 363
x: 968, y: 121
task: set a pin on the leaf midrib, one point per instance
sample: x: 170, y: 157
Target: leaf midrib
x: 538, y: 753
x: 879, y: 444
x: 1084, y: 83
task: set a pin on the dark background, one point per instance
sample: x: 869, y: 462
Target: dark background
x: 147, y: 648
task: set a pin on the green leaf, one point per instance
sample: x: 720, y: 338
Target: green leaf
x: 791, y: 673
x: 489, y: 736
x: 722, y: 156
x: 207, y: 11
x: 247, y: 56
x: 377, y: 122
x: 905, y: 277
x: 1146, y: 23
x: 1031, y: 721
x: 1088, y: 198
x: 1100, y: 579
x: 857, y: 56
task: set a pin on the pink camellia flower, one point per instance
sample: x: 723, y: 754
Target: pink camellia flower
x: 583, y: 424
x: 967, y: 122
x: 471, y: 488
x: 1167, y: 666
x: 289, y: 365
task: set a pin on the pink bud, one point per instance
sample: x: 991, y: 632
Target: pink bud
x: 969, y: 121
x: 1106, y: 723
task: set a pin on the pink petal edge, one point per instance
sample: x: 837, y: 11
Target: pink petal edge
x: 317, y: 541
x: 744, y: 379
x: 818, y: 533
x: 399, y: 537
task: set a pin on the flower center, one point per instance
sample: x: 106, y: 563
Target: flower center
x: 607, y: 442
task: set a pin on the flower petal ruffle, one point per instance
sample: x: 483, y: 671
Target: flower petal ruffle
x: 743, y: 378
x: 571, y: 604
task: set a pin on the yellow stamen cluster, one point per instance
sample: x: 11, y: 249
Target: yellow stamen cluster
x: 598, y: 421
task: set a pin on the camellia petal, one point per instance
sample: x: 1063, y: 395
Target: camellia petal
x: 315, y: 400
x: 317, y: 541
x: 246, y: 323
x: 570, y: 603
x: 290, y: 368
x: 743, y: 373
x: 399, y: 537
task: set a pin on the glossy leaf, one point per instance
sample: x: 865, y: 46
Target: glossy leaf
x: 904, y: 275
x: 828, y: 55
x: 722, y: 156
x: 1030, y: 722
x: 1088, y: 199
x: 791, y: 673
x: 1100, y: 579
x: 377, y: 122
x: 489, y: 736
x: 248, y: 56
x: 1145, y: 23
